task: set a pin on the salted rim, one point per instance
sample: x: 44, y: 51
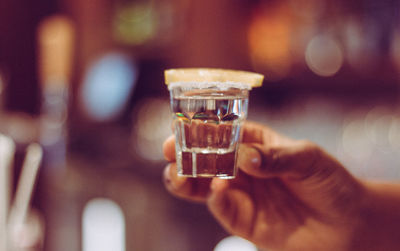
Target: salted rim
x: 212, y: 75
x: 205, y: 85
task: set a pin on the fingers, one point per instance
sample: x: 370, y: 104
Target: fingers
x: 169, y: 148
x: 296, y: 160
x: 265, y: 153
x: 230, y: 204
x: 194, y: 189
x: 253, y: 132
x: 233, y: 208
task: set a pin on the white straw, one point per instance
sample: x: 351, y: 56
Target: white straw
x: 7, y: 150
x: 23, y: 194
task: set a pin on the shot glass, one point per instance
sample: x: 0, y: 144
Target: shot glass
x: 208, y: 107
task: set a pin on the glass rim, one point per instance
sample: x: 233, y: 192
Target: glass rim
x: 203, y: 76
x: 209, y: 85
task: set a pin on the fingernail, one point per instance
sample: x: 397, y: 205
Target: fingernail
x: 248, y: 157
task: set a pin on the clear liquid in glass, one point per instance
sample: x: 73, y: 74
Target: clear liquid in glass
x: 207, y: 129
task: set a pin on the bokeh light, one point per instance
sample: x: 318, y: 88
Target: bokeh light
x: 324, y: 56
x: 152, y: 125
x: 377, y: 126
x: 394, y: 134
x: 135, y: 22
x: 108, y: 85
x: 360, y: 46
x: 355, y: 141
x: 235, y: 243
x: 103, y: 226
x: 369, y: 142
x: 56, y: 39
x: 269, y: 41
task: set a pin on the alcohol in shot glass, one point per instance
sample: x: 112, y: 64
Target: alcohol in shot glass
x: 208, y: 109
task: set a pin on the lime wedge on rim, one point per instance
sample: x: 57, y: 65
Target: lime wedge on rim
x: 191, y: 75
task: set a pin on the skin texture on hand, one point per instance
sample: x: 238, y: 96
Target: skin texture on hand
x: 288, y: 195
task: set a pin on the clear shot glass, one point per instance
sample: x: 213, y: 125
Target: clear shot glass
x: 208, y: 106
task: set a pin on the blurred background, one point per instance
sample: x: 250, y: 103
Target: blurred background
x: 85, y: 79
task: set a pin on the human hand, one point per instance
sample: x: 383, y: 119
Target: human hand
x: 288, y: 194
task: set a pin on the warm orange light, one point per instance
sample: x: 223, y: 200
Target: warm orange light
x: 55, y: 38
x: 269, y: 41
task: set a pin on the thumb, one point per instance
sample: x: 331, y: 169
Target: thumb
x: 233, y: 208
x: 296, y: 159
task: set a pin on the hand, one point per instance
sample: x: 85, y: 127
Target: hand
x: 288, y: 194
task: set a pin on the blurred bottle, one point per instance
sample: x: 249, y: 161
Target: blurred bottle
x: 55, y: 40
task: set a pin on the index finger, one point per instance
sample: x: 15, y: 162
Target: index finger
x: 193, y: 189
x: 169, y: 148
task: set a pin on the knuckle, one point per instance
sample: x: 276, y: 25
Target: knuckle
x: 271, y: 161
x: 310, y: 149
x: 307, y: 144
x: 312, y: 155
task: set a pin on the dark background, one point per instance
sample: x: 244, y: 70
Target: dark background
x: 331, y: 72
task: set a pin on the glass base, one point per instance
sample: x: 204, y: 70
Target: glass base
x: 225, y: 177
x: 207, y: 165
